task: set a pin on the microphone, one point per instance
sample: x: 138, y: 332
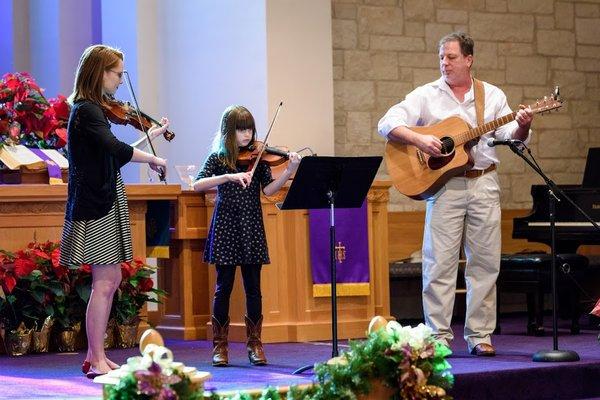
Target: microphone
x: 508, y: 142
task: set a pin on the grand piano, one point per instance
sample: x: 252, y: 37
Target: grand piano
x: 530, y: 273
x: 572, y: 229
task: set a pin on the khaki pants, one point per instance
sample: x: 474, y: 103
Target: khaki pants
x: 470, y: 207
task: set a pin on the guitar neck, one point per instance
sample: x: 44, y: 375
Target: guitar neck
x: 487, y: 127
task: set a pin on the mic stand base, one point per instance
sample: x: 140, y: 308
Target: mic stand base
x: 555, y: 356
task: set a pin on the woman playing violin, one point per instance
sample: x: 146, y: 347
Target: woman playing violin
x: 96, y: 229
x: 237, y: 235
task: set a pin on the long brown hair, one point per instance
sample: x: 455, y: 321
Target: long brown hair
x: 234, y: 117
x: 90, y: 73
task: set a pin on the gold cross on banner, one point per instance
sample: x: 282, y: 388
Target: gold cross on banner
x: 340, y: 252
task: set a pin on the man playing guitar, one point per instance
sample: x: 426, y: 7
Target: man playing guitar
x: 466, y: 204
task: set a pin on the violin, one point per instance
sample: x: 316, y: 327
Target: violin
x: 122, y: 113
x: 272, y: 156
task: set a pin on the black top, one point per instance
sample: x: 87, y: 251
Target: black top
x: 236, y: 235
x: 95, y: 156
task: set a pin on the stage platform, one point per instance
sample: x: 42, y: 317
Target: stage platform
x: 509, y: 375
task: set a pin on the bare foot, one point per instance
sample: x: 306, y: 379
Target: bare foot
x: 101, y: 367
x: 111, y: 364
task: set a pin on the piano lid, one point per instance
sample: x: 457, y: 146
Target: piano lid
x: 572, y: 229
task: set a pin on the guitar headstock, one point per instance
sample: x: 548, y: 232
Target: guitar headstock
x: 548, y: 103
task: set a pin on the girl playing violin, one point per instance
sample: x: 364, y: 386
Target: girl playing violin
x: 96, y: 229
x: 237, y: 235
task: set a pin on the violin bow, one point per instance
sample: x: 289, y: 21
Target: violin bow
x: 161, y: 172
x: 260, y: 153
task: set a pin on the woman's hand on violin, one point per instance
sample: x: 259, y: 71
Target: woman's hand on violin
x: 294, y: 161
x: 243, y: 178
x: 156, y: 130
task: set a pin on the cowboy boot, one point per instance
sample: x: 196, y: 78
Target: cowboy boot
x: 256, y: 354
x: 219, y: 358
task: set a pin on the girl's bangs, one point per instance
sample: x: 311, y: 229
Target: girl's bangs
x: 245, y: 121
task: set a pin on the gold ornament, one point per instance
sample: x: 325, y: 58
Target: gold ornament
x: 377, y: 323
x: 150, y: 336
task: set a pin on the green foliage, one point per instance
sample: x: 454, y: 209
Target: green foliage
x: 135, y: 290
x: 374, y: 359
x: 127, y: 389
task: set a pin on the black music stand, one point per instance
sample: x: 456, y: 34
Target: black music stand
x: 554, y: 194
x: 329, y: 182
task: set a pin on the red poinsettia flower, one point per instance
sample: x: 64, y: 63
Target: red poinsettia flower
x: 127, y: 270
x: 85, y: 268
x: 146, y: 284
x: 55, y: 257
x: 23, y: 266
x: 28, y: 116
x: 60, y: 107
x: 8, y: 282
x: 41, y: 254
x: 61, y: 135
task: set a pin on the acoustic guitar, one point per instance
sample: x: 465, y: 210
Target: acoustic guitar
x: 417, y: 175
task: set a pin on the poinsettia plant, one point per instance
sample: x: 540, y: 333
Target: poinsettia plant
x: 70, y: 307
x: 32, y: 281
x: 27, y: 117
x: 135, y: 290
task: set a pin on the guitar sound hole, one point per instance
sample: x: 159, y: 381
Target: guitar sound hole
x: 447, y: 145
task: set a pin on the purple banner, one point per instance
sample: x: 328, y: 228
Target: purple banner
x: 53, y: 168
x: 352, y: 248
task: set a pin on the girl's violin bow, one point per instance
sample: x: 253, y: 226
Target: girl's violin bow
x: 260, y: 153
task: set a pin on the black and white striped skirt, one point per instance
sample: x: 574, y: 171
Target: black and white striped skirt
x: 106, y: 240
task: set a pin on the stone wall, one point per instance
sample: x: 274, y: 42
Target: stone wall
x: 382, y: 49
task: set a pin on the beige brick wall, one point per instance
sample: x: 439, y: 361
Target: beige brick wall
x: 382, y: 49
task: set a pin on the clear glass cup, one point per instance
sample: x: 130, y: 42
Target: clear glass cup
x: 187, y: 174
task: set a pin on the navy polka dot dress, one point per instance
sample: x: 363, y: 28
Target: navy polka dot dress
x: 237, y: 234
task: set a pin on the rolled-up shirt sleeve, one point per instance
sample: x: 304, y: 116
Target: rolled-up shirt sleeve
x: 405, y: 113
x: 505, y: 132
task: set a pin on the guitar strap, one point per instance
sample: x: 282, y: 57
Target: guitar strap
x: 479, y: 100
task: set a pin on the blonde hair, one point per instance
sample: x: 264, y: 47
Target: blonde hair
x: 234, y: 118
x: 90, y: 73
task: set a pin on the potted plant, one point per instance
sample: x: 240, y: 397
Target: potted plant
x: 70, y: 308
x: 136, y: 289
x: 15, y: 300
x: 46, y: 282
x: 27, y: 117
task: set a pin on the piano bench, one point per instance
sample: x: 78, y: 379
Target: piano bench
x: 530, y: 274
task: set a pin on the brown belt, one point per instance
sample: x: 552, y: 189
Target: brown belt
x: 476, y: 173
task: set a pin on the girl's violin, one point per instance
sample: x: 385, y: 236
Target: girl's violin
x: 272, y: 156
x: 122, y: 113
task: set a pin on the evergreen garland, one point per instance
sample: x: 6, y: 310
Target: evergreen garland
x: 407, y: 360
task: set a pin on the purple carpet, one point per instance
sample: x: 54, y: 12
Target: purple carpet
x: 509, y: 375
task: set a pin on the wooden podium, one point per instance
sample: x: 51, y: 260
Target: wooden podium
x: 291, y: 313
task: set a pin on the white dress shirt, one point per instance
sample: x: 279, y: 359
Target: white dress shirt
x: 435, y: 101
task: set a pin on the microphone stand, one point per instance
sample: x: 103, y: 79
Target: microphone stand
x: 554, y: 355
